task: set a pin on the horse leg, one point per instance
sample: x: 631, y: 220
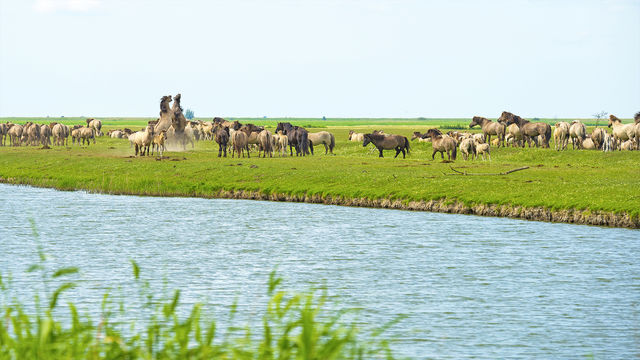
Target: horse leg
x: 380, y: 149
x: 326, y: 148
x: 434, y: 154
x: 397, y: 152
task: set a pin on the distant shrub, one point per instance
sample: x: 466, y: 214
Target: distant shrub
x: 454, y: 127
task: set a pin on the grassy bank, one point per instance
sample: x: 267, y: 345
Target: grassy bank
x: 589, y: 182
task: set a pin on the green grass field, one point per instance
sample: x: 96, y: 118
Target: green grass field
x: 590, y: 180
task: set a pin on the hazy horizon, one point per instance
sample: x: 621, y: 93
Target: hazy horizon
x: 355, y: 59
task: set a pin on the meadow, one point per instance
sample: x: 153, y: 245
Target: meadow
x: 588, y: 181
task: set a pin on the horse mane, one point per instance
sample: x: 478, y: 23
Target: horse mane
x: 636, y: 117
x: 373, y: 136
x: 613, y: 118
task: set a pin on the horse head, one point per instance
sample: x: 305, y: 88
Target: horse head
x: 367, y: 140
x: 164, y: 103
x: 612, y: 120
x: 477, y: 120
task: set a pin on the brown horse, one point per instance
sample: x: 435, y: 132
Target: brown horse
x: 398, y: 142
x: 530, y: 131
x: 442, y: 144
x: 221, y: 136
x: 489, y: 128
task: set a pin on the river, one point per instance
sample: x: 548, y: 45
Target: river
x: 471, y: 286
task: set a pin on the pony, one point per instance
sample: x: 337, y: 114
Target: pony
x: 597, y: 136
x: 282, y: 143
x: 4, y: 129
x: 240, y: 142
x: 514, y: 132
x: 298, y: 137
x: 418, y: 135
x: 264, y: 143
x: 467, y: 148
x: 59, y: 134
x: 577, y: 132
x: 398, y: 142
x: 482, y: 149
x: 561, y: 135
x: 95, y: 124
x: 86, y: 134
x: 143, y: 139
x: 15, y: 134
x: 489, y: 128
x: 355, y: 137
x: 221, y: 136
x: 323, y: 137
x: 621, y: 132
x: 158, y: 142
x: 529, y: 130
x: 442, y: 144
x: 45, y: 135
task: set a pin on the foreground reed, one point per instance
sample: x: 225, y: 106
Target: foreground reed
x: 294, y: 326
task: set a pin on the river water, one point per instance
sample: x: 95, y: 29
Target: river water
x: 470, y: 286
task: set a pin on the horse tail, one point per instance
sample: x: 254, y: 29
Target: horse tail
x: 406, y: 144
x: 547, y: 134
x: 333, y: 142
x: 453, y: 155
x: 305, y: 143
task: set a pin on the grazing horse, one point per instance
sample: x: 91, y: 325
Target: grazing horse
x: 529, y: 130
x: 442, y: 144
x: 398, y: 142
x: 561, y: 135
x: 323, y: 137
x: 221, y: 136
x: 489, y: 128
x: 298, y: 137
x: 621, y: 132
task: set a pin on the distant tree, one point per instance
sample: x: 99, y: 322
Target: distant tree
x: 188, y: 114
x: 600, y: 116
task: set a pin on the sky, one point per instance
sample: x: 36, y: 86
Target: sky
x: 349, y: 58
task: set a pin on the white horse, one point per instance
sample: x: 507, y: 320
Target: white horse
x: 561, y: 135
x: 142, y: 140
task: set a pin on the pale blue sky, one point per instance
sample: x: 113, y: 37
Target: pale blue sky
x: 314, y: 58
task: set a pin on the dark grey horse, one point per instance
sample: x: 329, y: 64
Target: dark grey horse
x: 298, y: 137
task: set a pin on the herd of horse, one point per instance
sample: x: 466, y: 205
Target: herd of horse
x: 172, y: 129
x: 41, y: 134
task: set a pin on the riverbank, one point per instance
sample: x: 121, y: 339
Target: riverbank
x: 582, y: 187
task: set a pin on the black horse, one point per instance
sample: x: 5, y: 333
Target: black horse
x: 298, y: 137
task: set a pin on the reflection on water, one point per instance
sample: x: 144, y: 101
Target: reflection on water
x: 472, y: 286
